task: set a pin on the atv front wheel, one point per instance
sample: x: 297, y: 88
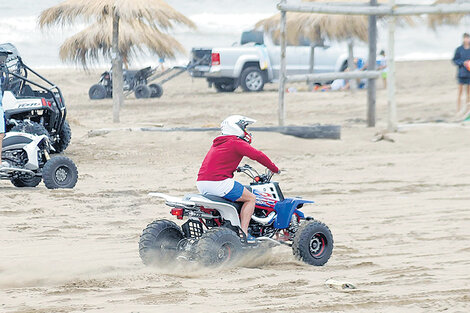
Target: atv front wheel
x: 65, y: 135
x: 97, y: 92
x: 60, y: 172
x: 158, y: 242
x: 218, y: 246
x: 142, y: 92
x: 29, y: 127
x: 26, y: 181
x: 156, y: 90
x: 313, y: 243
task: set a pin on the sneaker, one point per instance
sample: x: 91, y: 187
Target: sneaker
x: 250, y: 239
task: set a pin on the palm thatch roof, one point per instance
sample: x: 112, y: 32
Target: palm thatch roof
x: 436, y: 20
x: 142, y: 23
x: 155, y: 12
x: 96, y: 40
x: 313, y: 26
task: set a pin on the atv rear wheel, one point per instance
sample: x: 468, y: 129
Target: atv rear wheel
x: 25, y: 181
x: 97, y: 92
x: 156, y: 90
x: 60, y: 172
x: 65, y: 136
x: 29, y: 127
x: 142, y: 92
x: 159, y: 241
x: 313, y: 243
x: 218, y: 246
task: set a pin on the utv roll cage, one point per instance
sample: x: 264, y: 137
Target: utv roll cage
x: 16, y: 80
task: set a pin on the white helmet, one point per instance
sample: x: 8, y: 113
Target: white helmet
x: 235, y: 125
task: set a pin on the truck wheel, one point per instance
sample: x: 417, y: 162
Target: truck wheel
x: 313, y: 243
x: 158, y: 242
x: 65, y: 136
x: 252, y: 79
x: 142, y: 92
x: 26, y: 181
x: 225, y: 87
x: 60, y: 172
x: 218, y: 246
x: 97, y: 92
x: 156, y: 90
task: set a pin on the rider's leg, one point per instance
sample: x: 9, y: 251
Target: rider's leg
x: 248, y: 208
x: 1, y: 139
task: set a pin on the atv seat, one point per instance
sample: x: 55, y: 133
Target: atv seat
x: 237, y: 205
x: 17, y: 141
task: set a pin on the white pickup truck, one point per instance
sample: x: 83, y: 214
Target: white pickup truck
x: 255, y: 61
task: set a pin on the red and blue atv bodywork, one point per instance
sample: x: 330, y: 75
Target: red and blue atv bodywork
x: 212, y: 232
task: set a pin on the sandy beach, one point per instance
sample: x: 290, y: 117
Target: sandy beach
x: 398, y: 211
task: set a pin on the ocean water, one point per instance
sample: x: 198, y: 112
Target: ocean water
x: 219, y: 22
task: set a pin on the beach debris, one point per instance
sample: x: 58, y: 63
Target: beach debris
x: 97, y: 133
x: 339, y: 285
x: 382, y: 136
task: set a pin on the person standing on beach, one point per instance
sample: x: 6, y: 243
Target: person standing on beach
x: 382, y: 66
x: 462, y: 60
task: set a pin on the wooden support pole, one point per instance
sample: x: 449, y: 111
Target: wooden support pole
x: 371, y: 85
x: 282, y: 70
x: 351, y: 64
x: 324, y: 77
x: 392, y: 106
x: 311, y: 65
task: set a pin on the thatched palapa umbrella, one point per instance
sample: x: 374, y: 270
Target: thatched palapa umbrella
x: 436, y: 20
x: 316, y: 27
x: 119, y: 28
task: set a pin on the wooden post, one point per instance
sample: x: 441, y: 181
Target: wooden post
x: 118, y: 92
x: 311, y: 65
x: 351, y: 64
x: 282, y: 70
x: 392, y: 106
x: 371, y: 85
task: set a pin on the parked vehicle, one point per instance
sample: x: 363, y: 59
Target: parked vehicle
x: 29, y: 162
x: 134, y: 81
x: 33, y: 104
x: 212, y: 233
x: 256, y: 61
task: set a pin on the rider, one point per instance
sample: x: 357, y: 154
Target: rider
x: 216, y: 173
x: 3, y: 56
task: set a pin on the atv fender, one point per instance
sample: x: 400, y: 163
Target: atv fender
x: 227, y: 211
x: 285, y: 209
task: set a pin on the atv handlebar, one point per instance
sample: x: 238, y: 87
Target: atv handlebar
x: 253, y: 174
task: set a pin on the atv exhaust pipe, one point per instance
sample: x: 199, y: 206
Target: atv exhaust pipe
x: 13, y: 169
x: 265, y: 220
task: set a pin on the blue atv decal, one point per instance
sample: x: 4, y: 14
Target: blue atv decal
x: 285, y: 209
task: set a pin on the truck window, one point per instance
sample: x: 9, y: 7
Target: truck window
x: 252, y: 36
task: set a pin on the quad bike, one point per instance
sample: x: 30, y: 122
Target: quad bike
x: 212, y: 233
x: 29, y: 162
x: 32, y: 104
x: 133, y: 81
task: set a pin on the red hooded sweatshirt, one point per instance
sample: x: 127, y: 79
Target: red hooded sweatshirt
x: 225, y: 155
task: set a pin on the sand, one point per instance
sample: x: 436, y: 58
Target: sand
x: 399, y: 212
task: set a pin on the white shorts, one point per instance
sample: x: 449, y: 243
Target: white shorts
x: 215, y: 188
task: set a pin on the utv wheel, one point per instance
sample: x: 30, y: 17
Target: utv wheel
x: 218, y: 246
x: 159, y: 241
x: 32, y: 128
x: 60, y: 172
x: 142, y: 92
x: 97, y: 92
x: 25, y: 181
x: 225, y: 87
x: 313, y: 243
x: 156, y: 90
x: 252, y: 79
x: 65, y: 135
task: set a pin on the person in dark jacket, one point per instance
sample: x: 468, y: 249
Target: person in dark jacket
x: 461, y: 58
